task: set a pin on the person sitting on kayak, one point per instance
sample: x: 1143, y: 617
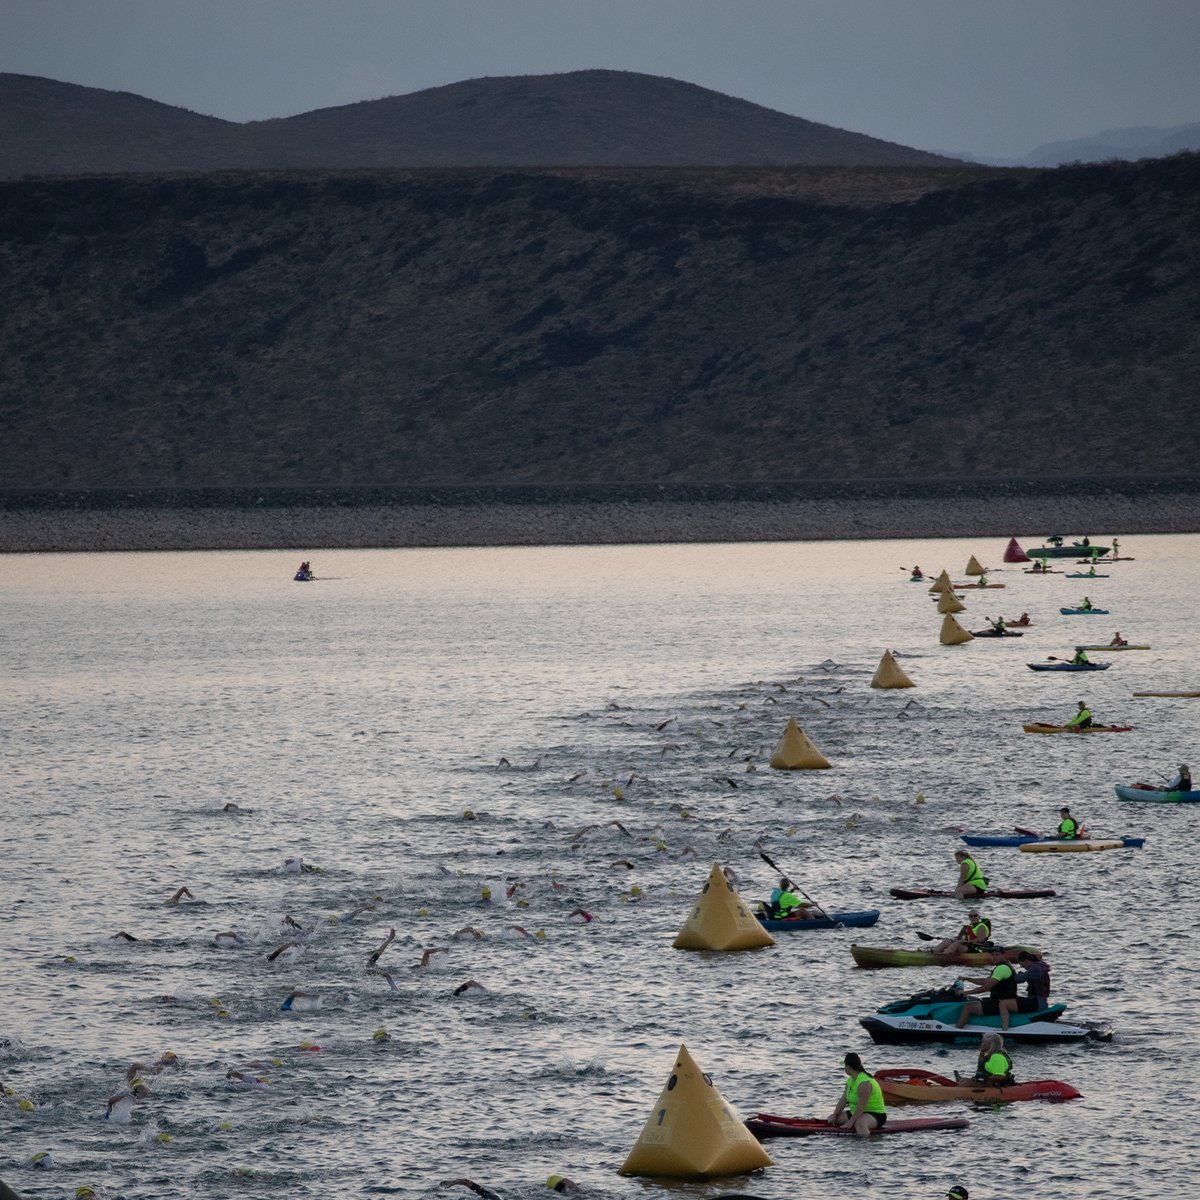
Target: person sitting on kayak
x: 917, y: 576
x: 971, y: 880
x: 1023, y: 619
x: 993, y: 1067
x: 1080, y: 656
x: 1086, y: 606
x: 1068, y: 827
x: 997, y: 625
x: 1082, y: 719
x: 786, y: 903
x: 1091, y: 571
x: 1183, y: 781
x: 1118, y: 640
x: 1001, y: 989
x: 975, y: 935
x: 1034, y: 973
x: 860, y: 1106
x: 983, y: 579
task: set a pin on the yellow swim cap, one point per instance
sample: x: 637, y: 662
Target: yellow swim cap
x: 422, y: 912
x: 225, y: 1126
x: 164, y: 1138
x: 85, y: 1193
x: 541, y: 933
x: 552, y: 1181
x: 70, y: 958
x: 381, y: 1035
x: 26, y: 1105
x: 485, y: 892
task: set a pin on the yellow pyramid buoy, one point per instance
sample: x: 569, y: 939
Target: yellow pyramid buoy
x: 948, y: 602
x: 720, y: 920
x: 889, y: 675
x: 941, y: 583
x: 693, y: 1132
x: 796, y: 753
x: 953, y: 634
x: 974, y: 567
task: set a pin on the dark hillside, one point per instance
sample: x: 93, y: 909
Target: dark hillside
x: 480, y: 327
x: 599, y: 118
x: 603, y: 118
x: 52, y: 128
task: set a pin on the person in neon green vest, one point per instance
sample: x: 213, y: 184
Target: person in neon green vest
x: 860, y: 1106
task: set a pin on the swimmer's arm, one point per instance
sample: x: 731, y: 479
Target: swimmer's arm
x: 179, y: 894
x: 280, y: 949
x: 477, y: 1188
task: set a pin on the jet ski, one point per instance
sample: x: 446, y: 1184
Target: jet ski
x: 930, y: 1016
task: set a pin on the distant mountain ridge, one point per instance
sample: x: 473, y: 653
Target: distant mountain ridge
x: 1122, y: 145
x: 578, y: 118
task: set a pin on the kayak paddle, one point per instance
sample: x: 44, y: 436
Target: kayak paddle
x: 776, y: 867
x: 1026, y: 832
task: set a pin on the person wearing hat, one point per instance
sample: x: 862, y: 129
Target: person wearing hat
x: 1068, y: 827
x: 1183, y: 781
x: 975, y: 935
x: 860, y: 1106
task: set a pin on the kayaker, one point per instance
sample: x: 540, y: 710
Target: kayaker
x: 971, y: 880
x: 1034, y: 973
x: 860, y: 1106
x: 983, y: 579
x: 1086, y: 606
x: 1001, y: 989
x: 1068, y: 827
x: 997, y: 625
x: 1118, y: 640
x: 786, y: 903
x: 975, y: 935
x: 1183, y: 781
x: 993, y: 1067
x: 1082, y: 719
x: 1080, y: 656
x: 917, y: 576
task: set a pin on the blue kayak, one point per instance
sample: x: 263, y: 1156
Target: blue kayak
x: 1084, y: 612
x: 833, y: 920
x: 1068, y: 666
x: 1017, y: 839
x: 1082, y: 575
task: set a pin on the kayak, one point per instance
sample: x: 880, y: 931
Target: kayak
x: 303, y: 577
x: 878, y: 957
x: 1023, y: 839
x: 925, y: 1087
x: 765, y: 1125
x: 833, y: 920
x: 1072, y: 845
x: 1177, y: 695
x: 1084, y: 612
x: 1127, y: 646
x: 1047, y: 571
x: 930, y: 1017
x: 1084, y: 575
x: 996, y: 633
x: 1042, y: 727
x: 1148, y: 795
x: 1018, y: 624
x: 1068, y: 666
x: 978, y: 586
x: 933, y: 894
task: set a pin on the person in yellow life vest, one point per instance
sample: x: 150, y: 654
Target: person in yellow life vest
x: 971, y: 880
x: 1086, y: 606
x: 1068, y: 827
x: 976, y: 934
x: 1080, y: 656
x: 994, y: 1067
x: 1001, y: 989
x: 786, y: 903
x: 860, y: 1106
x: 1082, y: 719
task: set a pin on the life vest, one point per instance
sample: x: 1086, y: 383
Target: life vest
x: 875, y: 1102
x: 996, y: 1065
x: 785, y: 902
x: 975, y: 877
x: 978, y: 933
x: 1068, y: 828
x: 1004, y: 982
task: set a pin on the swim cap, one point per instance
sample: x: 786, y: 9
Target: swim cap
x: 958, y: 1192
x: 26, y: 1105
x: 85, y: 1193
x: 555, y: 1183
x: 42, y: 1159
x: 381, y: 1035
x: 485, y: 892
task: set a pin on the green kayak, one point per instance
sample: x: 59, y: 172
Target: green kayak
x: 881, y: 956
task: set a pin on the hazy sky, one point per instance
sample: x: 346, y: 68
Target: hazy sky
x: 989, y: 76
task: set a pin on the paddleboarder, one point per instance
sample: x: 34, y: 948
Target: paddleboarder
x: 860, y: 1106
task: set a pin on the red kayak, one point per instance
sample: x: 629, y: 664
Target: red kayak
x: 764, y: 1125
x: 924, y: 1087
x: 931, y: 893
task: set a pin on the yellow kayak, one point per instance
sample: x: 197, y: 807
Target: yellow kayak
x: 1073, y: 846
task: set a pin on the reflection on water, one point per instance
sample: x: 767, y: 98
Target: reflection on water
x: 358, y: 723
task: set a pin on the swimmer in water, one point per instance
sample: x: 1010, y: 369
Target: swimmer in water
x: 229, y: 938
x: 469, y: 988
x: 254, y: 1081
x: 426, y: 955
x: 560, y: 1183
x: 292, y: 949
x: 180, y: 893
x: 477, y: 1188
x: 166, y: 1061
x: 467, y: 931
x: 294, y: 866
x: 119, y: 1108
x: 301, y: 1002
x: 370, y: 906
x: 581, y: 912
x: 385, y: 975
x: 123, y: 935
x: 231, y: 807
x: 375, y: 955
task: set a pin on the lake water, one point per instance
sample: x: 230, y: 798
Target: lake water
x: 356, y: 720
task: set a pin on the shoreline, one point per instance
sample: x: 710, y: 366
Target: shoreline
x: 324, y: 519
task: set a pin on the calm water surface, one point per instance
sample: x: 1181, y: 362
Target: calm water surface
x: 357, y: 720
